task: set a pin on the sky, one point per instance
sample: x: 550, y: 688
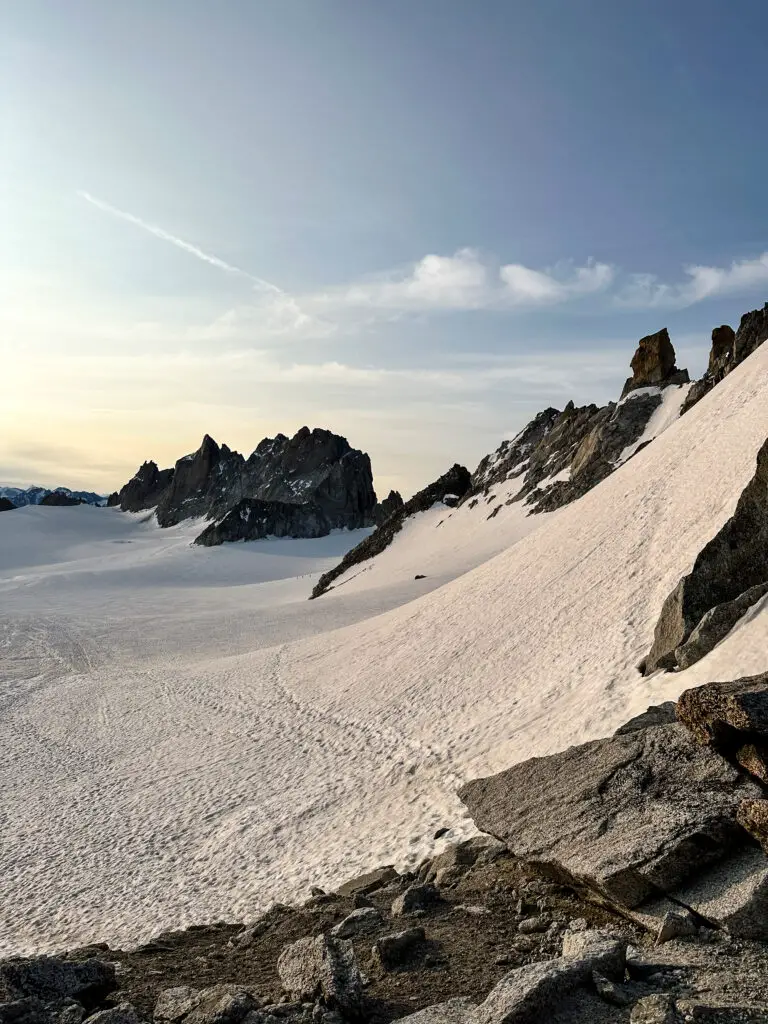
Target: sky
x: 415, y: 223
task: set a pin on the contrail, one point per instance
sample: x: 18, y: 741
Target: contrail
x: 214, y: 261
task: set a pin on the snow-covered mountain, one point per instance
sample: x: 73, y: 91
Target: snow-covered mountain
x: 185, y: 737
x: 21, y: 496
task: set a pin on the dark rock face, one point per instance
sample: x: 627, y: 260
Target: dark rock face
x: 252, y: 519
x: 58, y: 498
x: 456, y: 481
x: 629, y: 817
x: 384, y: 509
x: 144, y: 490
x: 6, y: 505
x: 728, y: 350
x: 733, y: 562
x: 657, y: 714
x: 654, y: 363
x: 722, y: 351
x: 314, y: 466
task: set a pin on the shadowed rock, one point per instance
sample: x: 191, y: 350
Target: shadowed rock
x: 732, y: 563
x: 252, y: 519
x: 324, y: 967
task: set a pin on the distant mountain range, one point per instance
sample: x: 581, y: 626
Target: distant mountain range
x: 20, y: 496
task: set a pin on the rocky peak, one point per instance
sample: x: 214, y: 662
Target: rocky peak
x: 392, y: 503
x: 314, y: 467
x: 654, y: 363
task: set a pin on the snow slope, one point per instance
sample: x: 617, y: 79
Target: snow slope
x: 231, y: 746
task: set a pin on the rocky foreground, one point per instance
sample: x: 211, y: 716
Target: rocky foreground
x: 624, y: 880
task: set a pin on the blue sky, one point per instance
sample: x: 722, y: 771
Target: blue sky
x: 415, y: 223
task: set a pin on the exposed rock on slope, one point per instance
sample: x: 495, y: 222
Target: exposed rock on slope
x: 6, y: 505
x: 654, y: 363
x: 729, y: 574
x: 728, y: 350
x: 384, y: 509
x: 252, y: 519
x: 314, y: 468
x: 455, y: 481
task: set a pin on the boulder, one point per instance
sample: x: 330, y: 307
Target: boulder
x: 51, y: 978
x: 369, y: 882
x: 173, y: 1004
x: 454, y: 1011
x: 727, y: 714
x: 221, y: 1004
x: 415, y: 897
x: 676, y: 925
x: 391, y: 950
x: 631, y: 817
x: 123, y: 1013
x: 600, y: 950
x: 526, y: 994
x: 450, y: 866
x: 732, y: 563
x: 359, y: 922
x: 323, y: 966
x: 35, y: 1011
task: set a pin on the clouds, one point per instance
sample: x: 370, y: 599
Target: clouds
x: 700, y: 282
x: 466, y: 281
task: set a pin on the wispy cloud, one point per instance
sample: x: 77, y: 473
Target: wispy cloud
x: 187, y: 247
x: 700, y: 282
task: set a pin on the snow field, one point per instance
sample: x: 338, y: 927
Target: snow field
x: 178, y: 744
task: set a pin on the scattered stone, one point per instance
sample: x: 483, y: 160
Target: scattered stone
x: 360, y: 900
x: 419, y: 576
x: 173, y: 1004
x: 578, y: 924
x: 526, y: 993
x: 221, y: 1004
x: 655, y: 1009
x: 454, y: 1011
x: 601, y: 951
x: 441, y: 832
x: 610, y: 991
x: 629, y: 816
x: 676, y: 925
x: 415, y: 898
x: 391, y: 950
x: 323, y: 966
x: 448, y: 867
x: 366, y: 919
x: 315, y: 890
x: 531, y: 925
x: 369, y: 882
x: 124, y: 1013
x: 49, y: 978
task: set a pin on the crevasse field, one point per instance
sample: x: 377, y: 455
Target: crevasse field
x: 185, y: 737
